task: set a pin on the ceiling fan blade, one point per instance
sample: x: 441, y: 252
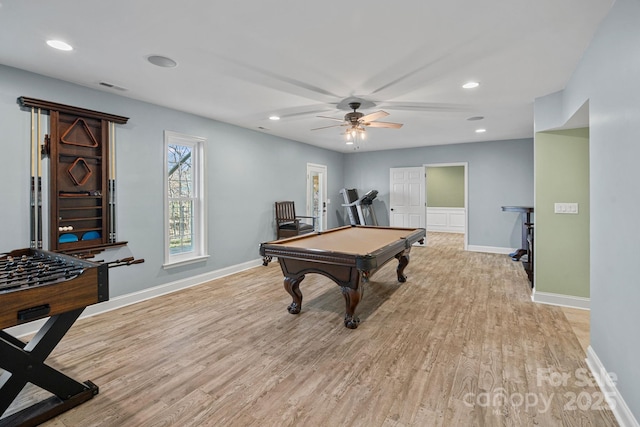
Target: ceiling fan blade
x: 373, y: 116
x: 384, y: 125
x: 332, y: 126
x: 427, y: 106
x: 331, y: 118
x: 303, y: 113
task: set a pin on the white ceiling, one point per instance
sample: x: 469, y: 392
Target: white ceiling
x: 242, y: 61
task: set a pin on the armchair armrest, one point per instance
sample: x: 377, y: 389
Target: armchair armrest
x: 313, y: 219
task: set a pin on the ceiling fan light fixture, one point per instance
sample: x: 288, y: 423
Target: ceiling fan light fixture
x: 470, y: 85
x: 355, y: 133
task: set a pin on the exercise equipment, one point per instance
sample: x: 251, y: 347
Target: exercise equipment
x: 360, y: 209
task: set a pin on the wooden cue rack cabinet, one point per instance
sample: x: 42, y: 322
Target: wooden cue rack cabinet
x: 80, y: 183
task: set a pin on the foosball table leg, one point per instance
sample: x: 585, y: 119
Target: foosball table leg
x: 24, y: 362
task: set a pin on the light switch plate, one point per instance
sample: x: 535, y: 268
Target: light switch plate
x: 565, y: 208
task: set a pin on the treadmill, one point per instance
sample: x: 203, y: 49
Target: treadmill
x: 360, y: 209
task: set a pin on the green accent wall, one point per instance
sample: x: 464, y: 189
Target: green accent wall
x: 445, y: 187
x: 561, y: 257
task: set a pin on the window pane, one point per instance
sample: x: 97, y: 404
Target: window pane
x: 180, y: 171
x: 180, y: 226
x: 185, y: 206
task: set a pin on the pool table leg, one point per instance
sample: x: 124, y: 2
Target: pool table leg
x: 403, y: 261
x: 292, y: 286
x: 352, y: 299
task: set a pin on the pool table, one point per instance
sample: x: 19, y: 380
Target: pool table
x: 347, y: 255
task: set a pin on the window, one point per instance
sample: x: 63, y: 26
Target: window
x: 185, y: 231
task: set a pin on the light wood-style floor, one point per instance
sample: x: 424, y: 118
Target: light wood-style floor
x: 459, y: 344
x: 579, y: 321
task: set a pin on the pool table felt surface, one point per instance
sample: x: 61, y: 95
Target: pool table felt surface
x: 348, y: 240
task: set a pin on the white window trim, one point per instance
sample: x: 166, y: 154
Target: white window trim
x: 200, y: 252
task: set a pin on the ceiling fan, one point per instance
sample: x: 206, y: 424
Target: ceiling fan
x: 356, y: 121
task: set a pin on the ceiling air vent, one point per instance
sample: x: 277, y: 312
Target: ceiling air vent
x: 112, y: 86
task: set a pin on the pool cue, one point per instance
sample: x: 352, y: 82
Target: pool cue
x: 33, y: 181
x: 112, y: 182
x: 39, y: 168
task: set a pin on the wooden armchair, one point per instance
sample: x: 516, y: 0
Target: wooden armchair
x: 288, y: 223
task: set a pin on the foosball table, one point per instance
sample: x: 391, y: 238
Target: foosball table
x: 37, y: 284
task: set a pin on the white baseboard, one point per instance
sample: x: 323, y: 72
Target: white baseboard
x: 561, y: 300
x: 143, y: 295
x: 490, y: 249
x: 612, y: 396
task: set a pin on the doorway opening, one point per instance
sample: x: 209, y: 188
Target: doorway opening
x: 447, y: 201
x: 317, y: 194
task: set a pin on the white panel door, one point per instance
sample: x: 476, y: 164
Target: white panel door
x: 407, y: 197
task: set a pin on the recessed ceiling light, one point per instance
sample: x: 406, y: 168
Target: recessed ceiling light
x: 481, y: 130
x: 162, y: 61
x: 59, y: 44
x: 470, y: 85
x: 274, y: 118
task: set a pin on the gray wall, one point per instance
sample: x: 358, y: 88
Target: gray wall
x: 246, y: 170
x: 500, y: 173
x: 607, y: 77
